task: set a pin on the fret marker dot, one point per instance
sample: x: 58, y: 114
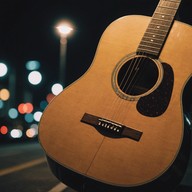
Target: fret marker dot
x: 163, y: 16
x: 153, y: 35
x: 158, y: 27
x: 152, y: 40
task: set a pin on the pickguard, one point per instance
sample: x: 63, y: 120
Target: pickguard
x: 156, y: 103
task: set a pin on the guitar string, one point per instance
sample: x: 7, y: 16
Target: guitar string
x: 117, y: 103
x: 121, y: 105
x: 136, y: 69
x: 129, y: 71
x: 136, y: 78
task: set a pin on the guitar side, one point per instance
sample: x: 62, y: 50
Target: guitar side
x: 119, y: 164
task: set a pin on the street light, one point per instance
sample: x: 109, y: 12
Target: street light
x: 64, y: 30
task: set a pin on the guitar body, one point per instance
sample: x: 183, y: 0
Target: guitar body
x: 87, y: 159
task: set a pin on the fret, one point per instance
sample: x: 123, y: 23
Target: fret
x: 163, y: 17
x: 157, y: 31
x: 152, y: 41
x: 169, y: 4
x: 161, y: 21
x: 166, y: 14
x: 157, y: 36
x: 147, y: 51
x: 167, y: 7
x: 159, y: 24
x: 158, y: 27
x: 149, y: 47
x: 166, y: 11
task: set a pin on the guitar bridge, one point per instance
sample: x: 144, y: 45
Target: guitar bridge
x: 112, y: 128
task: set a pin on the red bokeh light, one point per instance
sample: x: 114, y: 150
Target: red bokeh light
x: 4, y: 130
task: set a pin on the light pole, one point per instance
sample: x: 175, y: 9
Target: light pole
x: 64, y: 30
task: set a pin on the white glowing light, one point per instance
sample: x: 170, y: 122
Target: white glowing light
x: 37, y: 116
x: 16, y: 133
x: 3, y: 69
x: 56, y: 88
x: 35, y: 77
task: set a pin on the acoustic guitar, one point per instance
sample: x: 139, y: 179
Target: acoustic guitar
x: 124, y: 126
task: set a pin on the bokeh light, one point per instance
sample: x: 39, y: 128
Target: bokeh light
x: 32, y: 65
x: 31, y: 132
x: 4, y: 94
x: 13, y: 113
x: 49, y: 97
x: 35, y: 77
x: 43, y: 104
x: 25, y: 108
x: 37, y: 116
x: 3, y: 130
x: 3, y: 69
x: 56, y: 88
x: 29, y: 118
x: 16, y: 133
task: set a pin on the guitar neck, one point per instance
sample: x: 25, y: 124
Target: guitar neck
x: 159, y: 27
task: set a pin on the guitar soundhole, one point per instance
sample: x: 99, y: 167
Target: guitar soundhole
x: 137, y: 76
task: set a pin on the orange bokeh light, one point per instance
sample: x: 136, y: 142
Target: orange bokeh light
x: 25, y: 108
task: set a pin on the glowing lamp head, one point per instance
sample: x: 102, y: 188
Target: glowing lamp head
x: 64, y: 29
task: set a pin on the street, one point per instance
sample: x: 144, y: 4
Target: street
x: 23, y: 168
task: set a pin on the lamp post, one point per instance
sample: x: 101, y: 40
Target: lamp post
x: 64, y: 30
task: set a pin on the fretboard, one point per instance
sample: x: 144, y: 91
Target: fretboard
x: 158, y: 28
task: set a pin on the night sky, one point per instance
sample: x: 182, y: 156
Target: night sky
x: 27, y: 33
